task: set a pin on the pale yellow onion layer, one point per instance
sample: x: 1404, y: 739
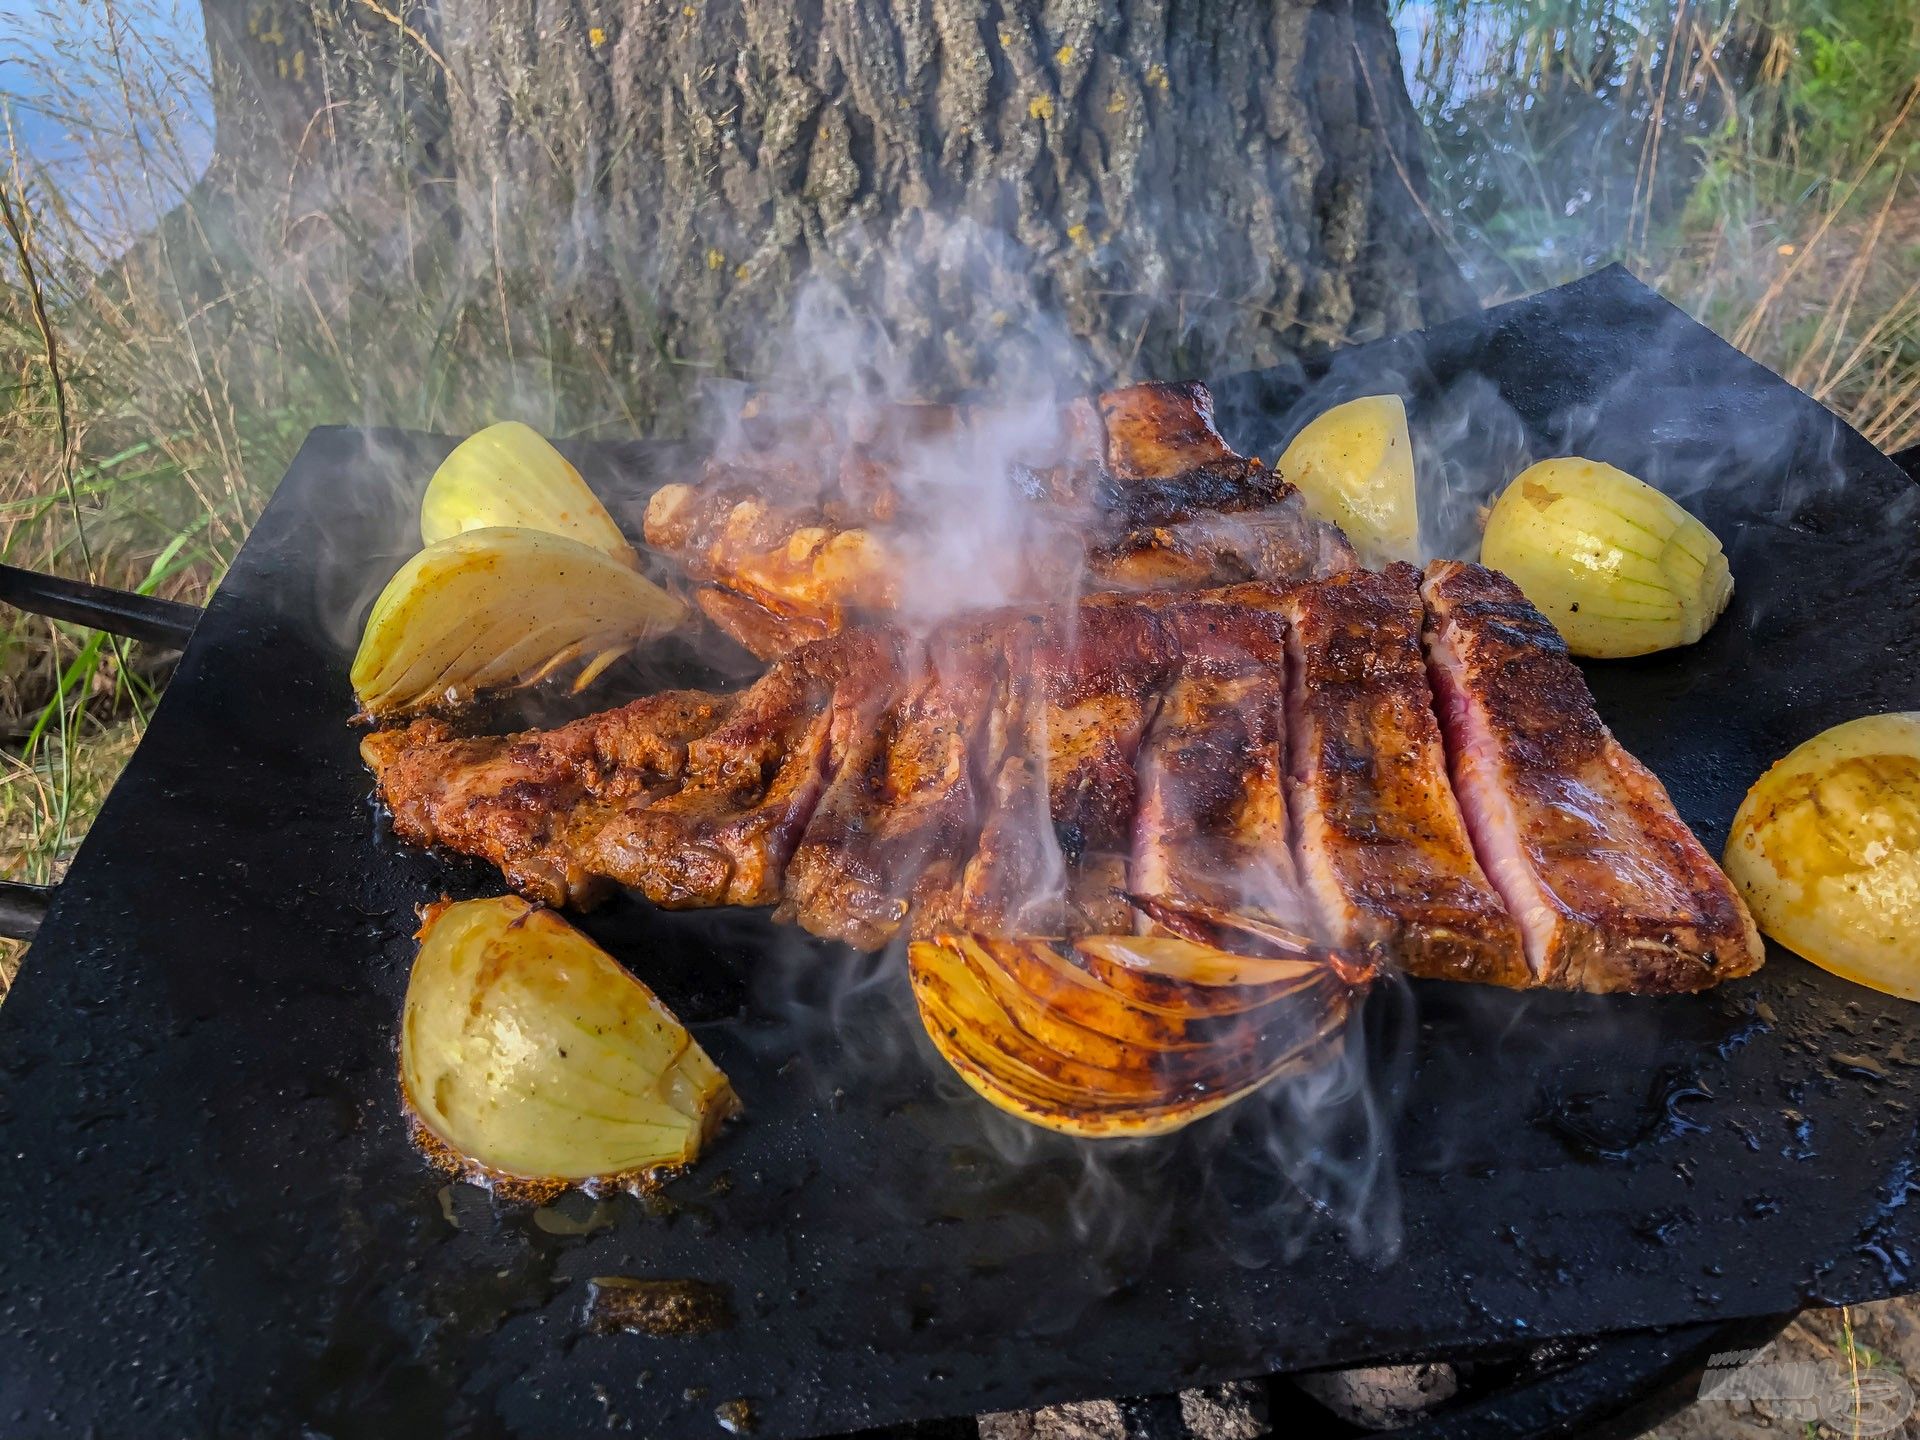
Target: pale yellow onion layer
x: 1354, y: 468
x: 509, y: 475
x: 499, y: 608
x: 1114, y: 1036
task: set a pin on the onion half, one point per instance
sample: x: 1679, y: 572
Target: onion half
x: 1123, y: 1035
x: 1354, y: 467
x: 1826, y: 852
x: 508, y: 474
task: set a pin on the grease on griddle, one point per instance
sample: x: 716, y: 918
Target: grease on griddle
x: 1595, y: 1126
x: 617, y: 1303
x: 564, y: 1218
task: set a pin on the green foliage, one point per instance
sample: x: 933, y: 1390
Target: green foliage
x: 1752, y: 159
x: 1857, y: 62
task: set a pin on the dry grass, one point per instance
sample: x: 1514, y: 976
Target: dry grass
x: 1750, y: 160
x: 1844, y: 326
x: 1852, y: 1352
x: 1834, y: 307
x: 47, y: 803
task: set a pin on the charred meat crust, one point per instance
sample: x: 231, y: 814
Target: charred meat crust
x: 725, y: 836
x: 1279, y: 544
x: 904, y: 804
x: 1081, y: 689
x: 761, y: 632
x: 527, y: 802
x: 1100, y: 672
x: 1381, y: 843
x: 1610, y: 887
x: 1161, y: 429
x: 1221, y: 486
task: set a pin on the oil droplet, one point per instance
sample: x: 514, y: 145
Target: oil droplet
x: 1863, y: 1067
x: 554, y: 1219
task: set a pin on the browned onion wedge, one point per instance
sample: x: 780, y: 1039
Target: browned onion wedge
x: 1119, y: 1035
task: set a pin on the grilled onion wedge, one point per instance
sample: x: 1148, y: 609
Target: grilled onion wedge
x: 496, y: 609
x: 1353, y: 465
x: 1618, y: 567
x: 508, y: 474
x: 530, y: 1058
x: 1123, y: 1035
x: 1826, y: 851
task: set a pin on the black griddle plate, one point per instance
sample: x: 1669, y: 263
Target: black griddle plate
x: 211, y: 1221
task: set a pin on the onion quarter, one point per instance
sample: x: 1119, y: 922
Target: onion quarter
x: 499, y: 608
x: 1618, y: 567
x: 507, y: 474
x: 529, y: 1057
x: 1354, y: 467
x: 1826, y: 850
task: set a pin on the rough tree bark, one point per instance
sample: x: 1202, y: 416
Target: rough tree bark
x: 1191, y: 184
x: 1187, y: 186
x: 264, y: 58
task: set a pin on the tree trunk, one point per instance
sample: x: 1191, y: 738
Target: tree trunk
x: 264, y: 57
x: 323, y: 88
x: 1192, y: 186
x: 1088, y: 189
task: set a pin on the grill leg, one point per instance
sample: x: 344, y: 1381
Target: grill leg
x: 22, y: 908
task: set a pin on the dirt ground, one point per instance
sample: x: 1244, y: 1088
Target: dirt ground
x: 1831, y: 1374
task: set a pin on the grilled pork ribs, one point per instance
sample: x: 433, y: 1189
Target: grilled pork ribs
x: 1369, y: 759
x: 805, y: 522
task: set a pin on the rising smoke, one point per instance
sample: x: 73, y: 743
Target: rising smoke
x: 1311, y: 1154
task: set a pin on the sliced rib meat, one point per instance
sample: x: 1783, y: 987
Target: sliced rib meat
x: 1082, y: 683
x: 758, y: 630
x: 1381, y: 844
x: 751, y: 784
x: 1212, y: 821
x: 1611, y: 889
x: 691, y: 799
x: 1161, y: 429
x: 903, y: 808
x: 1257, y: 766
x: 530, y: 803
x: 1278, y: 542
